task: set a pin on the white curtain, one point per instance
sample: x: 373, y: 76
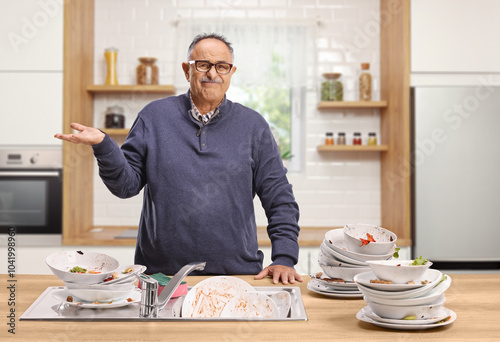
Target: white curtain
x: 255, y: 44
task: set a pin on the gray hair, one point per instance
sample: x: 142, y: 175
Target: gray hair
x: 202, y: 36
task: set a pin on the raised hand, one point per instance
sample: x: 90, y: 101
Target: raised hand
x: 86, y: 135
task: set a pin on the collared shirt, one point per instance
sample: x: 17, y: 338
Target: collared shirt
x: 203, y: 118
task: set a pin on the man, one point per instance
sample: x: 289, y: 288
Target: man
x: 201, y: 159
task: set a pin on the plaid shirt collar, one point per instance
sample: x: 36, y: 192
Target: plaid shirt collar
x: 203, y: 118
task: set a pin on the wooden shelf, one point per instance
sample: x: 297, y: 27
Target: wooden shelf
x: 115, y: 131
x: 352, y: 148
x: 351, y: 104
x: 131, y: 88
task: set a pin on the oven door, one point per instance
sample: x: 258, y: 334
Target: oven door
x: 31, y: 201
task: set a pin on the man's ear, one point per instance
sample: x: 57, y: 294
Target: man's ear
x: 185, y: 67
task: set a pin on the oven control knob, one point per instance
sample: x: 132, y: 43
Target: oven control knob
x: 34, y: 159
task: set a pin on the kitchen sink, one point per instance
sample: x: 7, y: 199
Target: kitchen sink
x: 48, y: 307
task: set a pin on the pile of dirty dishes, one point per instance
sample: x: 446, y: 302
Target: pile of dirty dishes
x: 93, y: 278
x: 344, y: 254
x: 404, y: 296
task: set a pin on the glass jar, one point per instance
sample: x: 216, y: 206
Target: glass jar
x: 331, y: 87
x: 341, y: 138
x: 147, y: 71
x: 372, y: 138
x: 329, y: 138
x: 114, y: 117
x: 111, y: 55
x: 356, y: 139
x: 365, y: 83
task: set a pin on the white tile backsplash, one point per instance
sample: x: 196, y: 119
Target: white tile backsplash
x: 333, y: 188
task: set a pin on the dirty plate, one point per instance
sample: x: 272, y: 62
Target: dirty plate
x: 442, y: 315
x: 62, y: 296
x: 208, y: 298
x: 250, y: 305
x: 363, y: 317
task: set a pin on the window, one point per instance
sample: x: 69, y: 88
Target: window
x: 272, y: 60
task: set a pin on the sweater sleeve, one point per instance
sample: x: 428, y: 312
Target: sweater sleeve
x: 122, y: 169
x: 278, y: 201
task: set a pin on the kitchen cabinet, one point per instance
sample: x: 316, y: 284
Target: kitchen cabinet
x: 455, y: 36
x: 32, y: 35
x: 31, y: 72
x: 31, y: 108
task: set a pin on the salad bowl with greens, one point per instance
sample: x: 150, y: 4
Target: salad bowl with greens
x: 82, y: 267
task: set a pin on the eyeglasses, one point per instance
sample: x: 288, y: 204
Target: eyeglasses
x: 205, y: 66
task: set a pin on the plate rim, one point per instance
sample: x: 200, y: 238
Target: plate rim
x: 88, y: 305
x: 386, y: 287
x: 369, y: 310
x: 362, y: 317
x: 335, y: 294
x: 398, y: 293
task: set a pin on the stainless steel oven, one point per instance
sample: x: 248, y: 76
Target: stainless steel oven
x: 31, y: 190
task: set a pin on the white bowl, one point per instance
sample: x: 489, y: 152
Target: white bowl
x: 334, y: 240
x: 422, y: 299
x: 399, y: 312
x: 345, y: 273
x: 61, y: 263
x: 329, y: 257
x: 385, y: 239
x: 100, y: 293
x: 399, y: 271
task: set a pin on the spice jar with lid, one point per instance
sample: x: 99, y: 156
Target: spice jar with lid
x: 147, y: 71
x: 115, y: 117
x: 372, y: 138
x: 365, y: 83
x: 329, y: 138
x: 341, y: 138
x: 356, y: 140
x: 331, y: 87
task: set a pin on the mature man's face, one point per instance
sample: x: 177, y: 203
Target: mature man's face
x: 208, y: 88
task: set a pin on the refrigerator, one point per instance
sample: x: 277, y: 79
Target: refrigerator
x: 456, y: 175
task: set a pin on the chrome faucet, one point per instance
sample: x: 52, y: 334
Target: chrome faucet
x: 151, y: 302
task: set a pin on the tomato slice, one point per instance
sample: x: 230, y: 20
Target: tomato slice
x: 370, y: 238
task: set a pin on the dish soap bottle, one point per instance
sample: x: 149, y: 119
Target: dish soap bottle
x: 365, y: 83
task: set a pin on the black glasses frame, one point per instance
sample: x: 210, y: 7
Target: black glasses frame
x: 195, y: 62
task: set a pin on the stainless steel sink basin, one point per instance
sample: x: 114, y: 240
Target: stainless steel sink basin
x: 48, y: 308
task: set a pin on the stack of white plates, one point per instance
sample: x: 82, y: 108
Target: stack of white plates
x: 405, y: 306
x: 338, y: 262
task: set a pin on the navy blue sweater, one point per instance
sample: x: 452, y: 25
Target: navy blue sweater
x: 199, y: 185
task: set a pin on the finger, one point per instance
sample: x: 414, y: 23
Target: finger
x: 262, y: 274
x: 77, y: 126
x: 276, y: 277
x: 298, y: 277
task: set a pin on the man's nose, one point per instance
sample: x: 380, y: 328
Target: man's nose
x: 212, y: 73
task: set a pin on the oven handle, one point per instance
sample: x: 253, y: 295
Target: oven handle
x: 29, y: 173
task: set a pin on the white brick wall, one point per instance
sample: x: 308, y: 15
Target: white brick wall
x: 333, y: 189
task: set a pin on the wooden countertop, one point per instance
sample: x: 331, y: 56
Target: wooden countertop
x: 475, y: 299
